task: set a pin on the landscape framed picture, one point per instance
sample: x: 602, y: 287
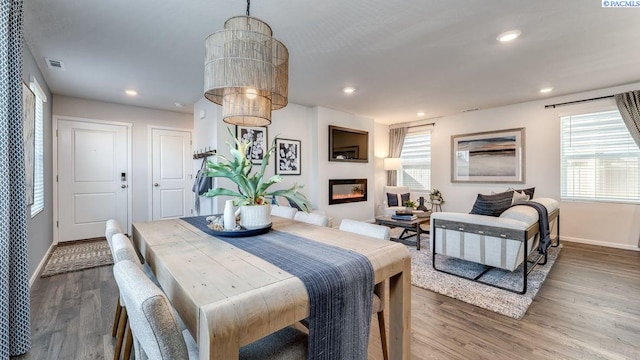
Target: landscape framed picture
x: 489, y: 157
x: 288, y: 156
x: 259, y: 141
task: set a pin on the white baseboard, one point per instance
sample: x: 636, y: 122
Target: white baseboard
x: 43, y: 262
x: 600, y: 243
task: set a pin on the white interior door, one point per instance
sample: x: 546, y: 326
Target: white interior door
x: 172, y: 174
x: 93, y: 179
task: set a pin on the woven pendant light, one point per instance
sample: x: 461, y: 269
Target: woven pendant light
x: 246, y: 71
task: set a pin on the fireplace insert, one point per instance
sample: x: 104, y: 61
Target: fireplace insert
x: 343, y: 191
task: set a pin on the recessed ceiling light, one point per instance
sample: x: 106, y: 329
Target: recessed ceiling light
x: 179, y: 105
x: 421, y: 113
x: 509, y: 35
x: 546, y: 90
x: 131, y: 92
x: 349, y: 90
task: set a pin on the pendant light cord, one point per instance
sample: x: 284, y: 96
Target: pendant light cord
x: 248, y: 5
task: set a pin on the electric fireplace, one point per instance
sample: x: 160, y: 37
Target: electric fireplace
x: 343, y: 191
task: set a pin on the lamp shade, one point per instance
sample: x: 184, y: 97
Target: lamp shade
x: 246, y: 71
x: 392, y: 164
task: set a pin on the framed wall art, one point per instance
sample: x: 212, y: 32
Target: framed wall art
x: 260, y: 143
x: 288, y: 156
x: 489, y: 157
x: 28, y: 123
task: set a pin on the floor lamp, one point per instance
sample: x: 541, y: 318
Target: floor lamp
x: 392, y: 164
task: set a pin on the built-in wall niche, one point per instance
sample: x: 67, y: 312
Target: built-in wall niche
x: 348, y: 145
x: 343, y: 191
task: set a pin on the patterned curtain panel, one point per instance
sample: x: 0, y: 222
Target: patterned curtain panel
x: 629, y: 107
x: 396, y: 139
x: 15, y: 334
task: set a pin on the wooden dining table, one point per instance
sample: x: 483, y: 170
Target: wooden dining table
x: 228, y: 298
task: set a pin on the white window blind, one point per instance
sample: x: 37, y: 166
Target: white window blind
x: 416, y: 159
x: 38, y: 176
x: 599, y: 159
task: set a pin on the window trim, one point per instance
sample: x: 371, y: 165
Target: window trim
x: 601, y: 106
x: 418, y: 130
x: 38, y: 178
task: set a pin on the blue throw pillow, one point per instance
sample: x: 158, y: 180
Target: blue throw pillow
x: 492, y: 205
x: 404, y: 198
x: 392, y: 199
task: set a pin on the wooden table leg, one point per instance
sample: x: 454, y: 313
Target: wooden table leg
x: 400, y: 313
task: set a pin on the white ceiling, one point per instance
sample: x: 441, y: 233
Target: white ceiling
x: 402, y: 56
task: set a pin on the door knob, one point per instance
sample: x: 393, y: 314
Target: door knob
x: 123, y: 186
x: 156, y: 184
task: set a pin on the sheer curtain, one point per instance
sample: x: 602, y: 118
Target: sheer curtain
x: 629, y: 107
x: 396, y: 139
x: 15, y: 334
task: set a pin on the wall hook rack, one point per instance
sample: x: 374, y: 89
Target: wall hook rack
x: 203, y: 153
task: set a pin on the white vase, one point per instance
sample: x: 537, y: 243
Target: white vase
x: 229, y: 216
x: 255, y: 216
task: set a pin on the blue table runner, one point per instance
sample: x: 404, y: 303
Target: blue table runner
x: 339, y: 283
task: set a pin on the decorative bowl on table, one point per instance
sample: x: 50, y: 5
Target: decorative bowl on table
x: 216, y: 228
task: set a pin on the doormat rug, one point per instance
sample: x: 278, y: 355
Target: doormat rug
x: 78, y: 255
x: 497, y: 300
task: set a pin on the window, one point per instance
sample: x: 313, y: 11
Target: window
x: 599, y: 159
x: 38, y: 164
x: 416, y: 160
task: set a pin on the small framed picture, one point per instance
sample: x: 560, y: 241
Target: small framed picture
x: 288, y: 156
x: 259, y: 142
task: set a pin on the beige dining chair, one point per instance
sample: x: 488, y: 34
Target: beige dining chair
x: 286, y: 212
x: 113, y: 227
x: 378, y: 232
x: 121, y: 250
x: 311, y: 218
x: 157, y: 335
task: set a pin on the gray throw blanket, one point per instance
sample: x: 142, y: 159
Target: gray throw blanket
x: 543, y: 223
x: 339, y: 284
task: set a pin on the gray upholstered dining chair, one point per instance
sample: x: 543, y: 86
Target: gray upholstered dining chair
x: 121, y: 250
x: 112, y: 228
x: 157, y: 335
x: 383, y: 233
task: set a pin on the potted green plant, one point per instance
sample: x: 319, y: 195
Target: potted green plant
x: 253, y: 188
x: 435, y: 197
x: 409, y: 205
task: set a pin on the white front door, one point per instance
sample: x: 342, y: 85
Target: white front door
x: 93, y: 179
x: 172, y: 171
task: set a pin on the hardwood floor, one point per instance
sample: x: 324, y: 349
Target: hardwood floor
x: 588, y: 308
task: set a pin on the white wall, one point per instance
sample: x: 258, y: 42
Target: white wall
x: 310, y: 126
x: 342, y: 170
x: 142, y: 119
x: 616, y: 225
x: 205, y: 126
x: 293, y: 122
x: 40, y: 227
x: 381, y: 151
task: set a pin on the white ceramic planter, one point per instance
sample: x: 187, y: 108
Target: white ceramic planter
x: 255, y: 217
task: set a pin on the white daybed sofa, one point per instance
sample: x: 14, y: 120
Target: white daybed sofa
x: 498, y: 242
